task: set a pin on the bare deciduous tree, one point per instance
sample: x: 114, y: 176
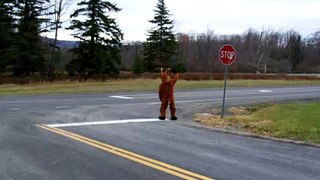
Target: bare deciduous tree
x: 58, y: 8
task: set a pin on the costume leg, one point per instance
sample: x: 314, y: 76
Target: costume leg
x: 163, y: 108
x: 173, y: 108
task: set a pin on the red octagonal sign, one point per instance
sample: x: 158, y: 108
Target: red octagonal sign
x: 227, y: 54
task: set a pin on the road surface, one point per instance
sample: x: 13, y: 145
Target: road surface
x: 117, y: 136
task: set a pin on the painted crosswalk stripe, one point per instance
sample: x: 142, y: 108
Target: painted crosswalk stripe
x: 102, y: 122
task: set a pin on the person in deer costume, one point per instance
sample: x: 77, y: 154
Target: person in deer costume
x: 166, y: 94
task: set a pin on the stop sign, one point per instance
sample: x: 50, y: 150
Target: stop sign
x: 227, y: 54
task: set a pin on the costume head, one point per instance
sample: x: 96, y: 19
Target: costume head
x: 164, y: 76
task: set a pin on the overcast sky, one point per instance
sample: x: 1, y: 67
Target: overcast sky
x: 220, y: 16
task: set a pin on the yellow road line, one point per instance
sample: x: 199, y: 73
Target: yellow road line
x: 176, y: 171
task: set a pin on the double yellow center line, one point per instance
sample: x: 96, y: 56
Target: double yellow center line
x: 173, y: 170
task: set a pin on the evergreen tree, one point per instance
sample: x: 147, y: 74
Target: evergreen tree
x: 137, y: 67
x: 160, y: 46
x: 295, y: 50
x: 30, y: 55
x: 100, y: 36
x: 6, y: 34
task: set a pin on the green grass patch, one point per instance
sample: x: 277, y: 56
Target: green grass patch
x: 293, y: 121
x: 297, y: 121
x: 136, y: 85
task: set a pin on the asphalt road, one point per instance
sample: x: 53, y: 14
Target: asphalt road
x: 117, y: 136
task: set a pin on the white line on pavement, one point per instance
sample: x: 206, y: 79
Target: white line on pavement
x: 14, y: 109
x: 32, y: 101
x: 265, y: 91
x: 122, y: 97
x: 238, y: 98
x: 215, y: 92
x: 102, y: 122
x: 62, y: 107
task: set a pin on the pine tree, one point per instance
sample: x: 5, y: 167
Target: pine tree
x: 6, y: 34
x: 295, y: 50
x: 30, y: 51
x: 160, y: 46
x: 137, y: 67
x: 100, y: 38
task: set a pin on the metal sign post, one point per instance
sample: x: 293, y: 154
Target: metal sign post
x: 224, y: 89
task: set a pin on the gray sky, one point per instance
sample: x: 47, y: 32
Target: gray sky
x: 220, y: 16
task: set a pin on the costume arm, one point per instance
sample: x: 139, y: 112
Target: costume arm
x: 175, y: 79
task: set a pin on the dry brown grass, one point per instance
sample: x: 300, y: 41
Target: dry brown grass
x: 236, y: 119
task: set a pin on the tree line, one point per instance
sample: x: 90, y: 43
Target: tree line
x: 265, y: 51
x: 24, y: 52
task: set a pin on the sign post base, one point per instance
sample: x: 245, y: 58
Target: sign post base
x: 224, y: 90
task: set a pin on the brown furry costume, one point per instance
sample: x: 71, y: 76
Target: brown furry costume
x: 166, y: 94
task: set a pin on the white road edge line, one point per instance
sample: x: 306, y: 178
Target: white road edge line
x: 14, y: 109
x: 122, y: 97
x: 230, y: 91
x: 101, y: 122
x: 265, y: 91
x: 235, y: 98
x: 63, y: 107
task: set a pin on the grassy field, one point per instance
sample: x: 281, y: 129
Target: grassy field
x: 298, y: 121
x: 136, y: 85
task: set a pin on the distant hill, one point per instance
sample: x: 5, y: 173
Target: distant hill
x: 67, y: 44
x: 63, y: 43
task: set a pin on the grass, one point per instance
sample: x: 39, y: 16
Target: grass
x: 78, y: 87
x: 293, y: 121
x: 135, y: 85
x: 298, y: 121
